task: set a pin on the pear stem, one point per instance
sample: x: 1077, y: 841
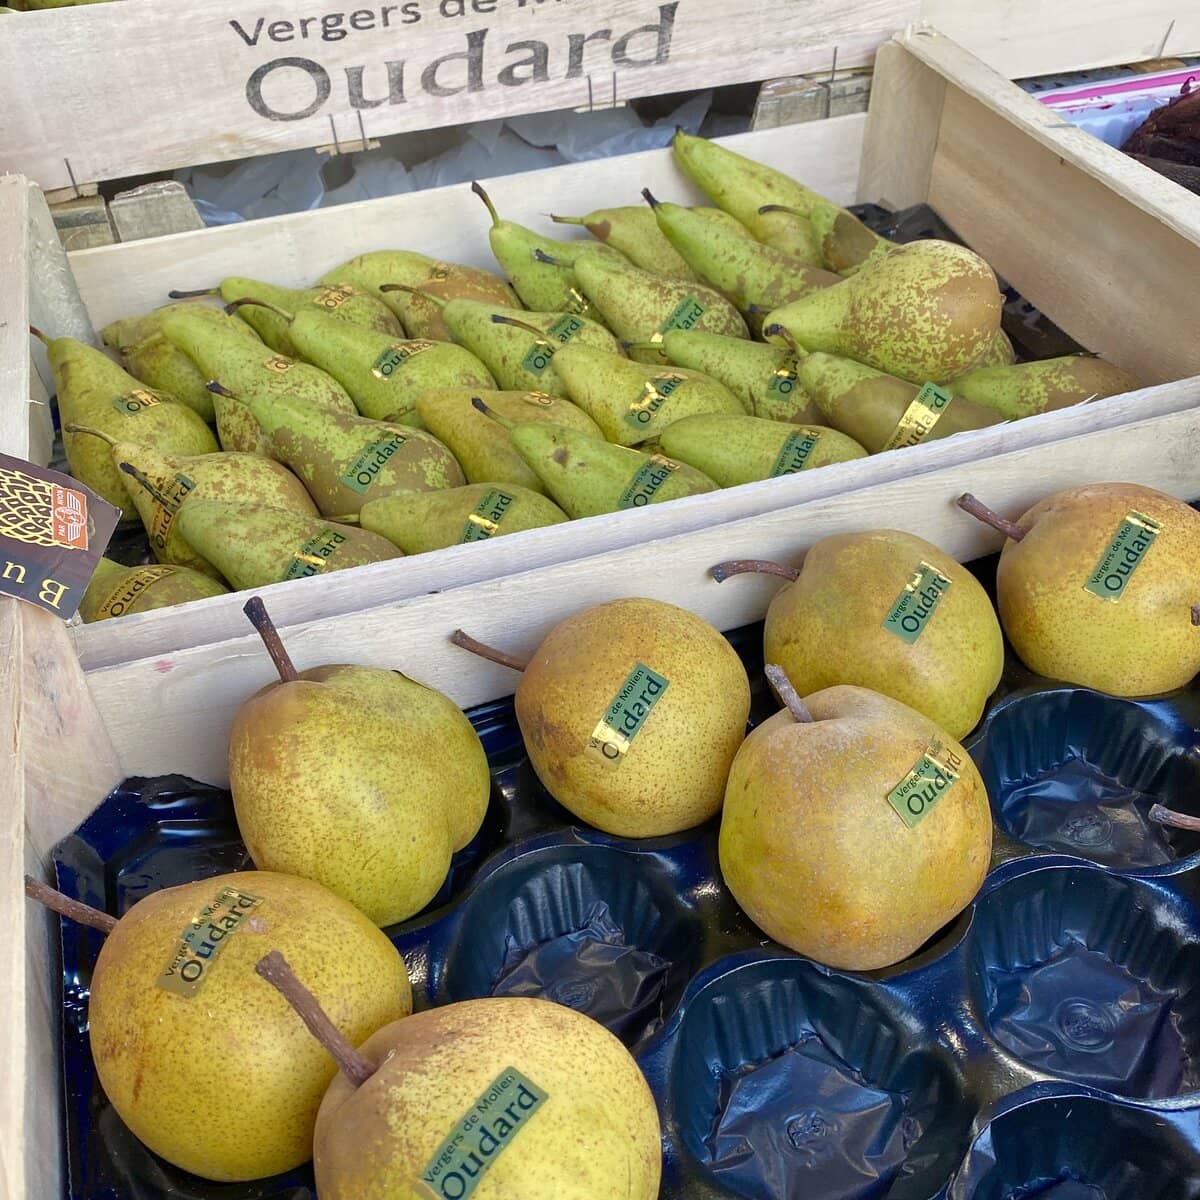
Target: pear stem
x: 41, y: 337
x: 1176, y: 820
x: 567, y: 220
x: 104, y: 437
x: 234, y: 305
x: 178, y: 295
x: 142, y: 479
x: 478, y: 404
x: 479, y: 190
x: 74, y: 910
x: 256, y: 610
x: 467, y: 642
x: 543, y: 257
x: 275, y: 969
x: 219, y: 389
x: 500, y: 319
x: 440, y: 301
x: 981, y: 512
x: 783, y: 208
x: 1196, y: 614
x: 777, y: 677
x: 785, y: 334
x: 753, y: 566
x: 655, y: 346
x: 648, y: 196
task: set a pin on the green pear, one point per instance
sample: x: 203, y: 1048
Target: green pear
x: 639, y: 307
x: 421, y: 521
x: 847, y: 245
x: 586, y: 476
x: 356, y: 777
x: 345, y: 461
x: 1025, y: 389
x: 738, y: 449
x: 255, y: 546
x: 1099, y: 586
x: 115, y: 590
x: 94, y: 392
x: 633, y: 402
x: 122, y: 335
x: 518, y: 347
x: 765, y: 375
x: 383, y: 375
x: 177, y: 971
x: 421, y: 317
x: 888, y: 611
x: 237, y: 430
x: 926, y: 311
x: 1000, y: 353
x: 756, y: 278
x: 839, y: 806
x: 482, y: 446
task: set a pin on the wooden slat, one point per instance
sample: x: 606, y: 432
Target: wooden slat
x: 19, y: 423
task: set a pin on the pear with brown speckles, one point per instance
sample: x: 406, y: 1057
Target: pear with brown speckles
x: 357, y: 777
x: 115, y: 590
x: 631, y: 713
x: 839, y: 805
x: 176, y: 972
x: 1025, y: 389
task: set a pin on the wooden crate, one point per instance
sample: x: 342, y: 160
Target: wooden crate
x: 1078, y: 228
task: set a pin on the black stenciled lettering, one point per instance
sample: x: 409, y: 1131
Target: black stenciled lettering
x: 575, y: 47
x: 662, y: 30
x: 472, y: 56
x: 314, y: 70
x: 249, y: 39
x: 395, y: 87
x: 536, y: 64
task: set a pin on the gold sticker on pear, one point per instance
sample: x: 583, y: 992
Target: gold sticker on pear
x: 625, y: 716
x: 646, y: 481
x: 1130, y: 544
x: 135, y: 401
x: 919, y: 418
x: 204, y: 939
x: 119, y: 601
x: 278, y: 364
x: 932, y: 776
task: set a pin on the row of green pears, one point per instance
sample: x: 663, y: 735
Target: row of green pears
x: 402, y: 404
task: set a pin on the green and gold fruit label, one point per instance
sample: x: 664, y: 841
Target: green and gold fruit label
x: 538, y: 358
x: 796, y: 452
x: 174, y: 491
x: 486, y: 518
x: 313, y: 557
x: 541, y: 399
x: 685, y: 316
x: 135, y: 402
x: 934, y: 774
x: 917, y: 603
x: 782, y: 382
x: 278, y: 364
x: 920, y: 417
x: 332, y: 298
x: 626, y: 715
x: 647, y: 479
x: 394, y: 357
x: 1134, y: 537
x: 439, y: 271
x: 364, y: 470
x: 124, y: 596
x: 542, y: 351
x: 576, y: 302
x: 480, y: 1136
x: 204, y: 939
x: 653, y: 396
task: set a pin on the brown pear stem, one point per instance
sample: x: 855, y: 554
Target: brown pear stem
x: 783, y: 208
x: 104, y: 437
x: 234, y: 305
x: 1177, y: 820
x: 440, y: 301
x: 500, y: 319
x: 74, y: 910
x: 147, y: 483
x: 543, y: 257
x: 256, y: 610
x: 566, y: 220
x: 752, y: 566
x: 219, y: 389
x: 1196, y: 614
x: 479, y: 190
x: 178, y: 295
x: 467, y: 642
x: 41, y: 337
x: 274, y: 968
x: 777, y: 677
x: 648, y: 196
x: 981, y: 512
x: 785, y: 335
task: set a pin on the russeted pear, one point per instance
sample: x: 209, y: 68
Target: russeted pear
x: 420, y: 317
x: 342, y: 301
x: 1100, y: 586
x: 518, y: 347
x: 126, y: 332
x: 888, y: 611
x: 633, y: 401
x: 357, y: 777
x: 485, y: 1069
x: 383, y: 375
x: 345, y: 461
x: 854, y: 827
x: 738, y: 449
x: 162, y: 485
x: 418, y: 522
x: 631, y: 713
x: 1001, y: 352
x: 176, y: 972
x: 640, y: 307
x: 765, y: 374
x: 94, y: 392
x: 586, y: 476
x: 846, y: 244
x: 482, y: 446
x: 756, y: 278
x: 115, y: 590
x: 635, y: 233
x: 254, y: 547
x: 927, y: 311
x: 1024, y: 389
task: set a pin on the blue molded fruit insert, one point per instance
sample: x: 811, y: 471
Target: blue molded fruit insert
x: 1072, y: 771
x: 1090, y: 976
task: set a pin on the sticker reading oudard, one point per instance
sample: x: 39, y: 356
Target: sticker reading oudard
x: 934, y: 774
x: 542, y: 351
x: 131, y: 588
x: 481, y: 1135
x: 627, y: 714
x: 486, y: 518
x: 647, y: 479
x: 782, y: 382
x: 313, y: 557
x: 919, y: 418
x: 653, y: 396
x: 796, y: 452
x: 684, y: 316
x: 135, y: 402
x: 917, y: 603
x: 1133, y: 539
x: 364, y: 470
x: 394, y: 357
x: 175, y: 491
x: 204, y: 939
